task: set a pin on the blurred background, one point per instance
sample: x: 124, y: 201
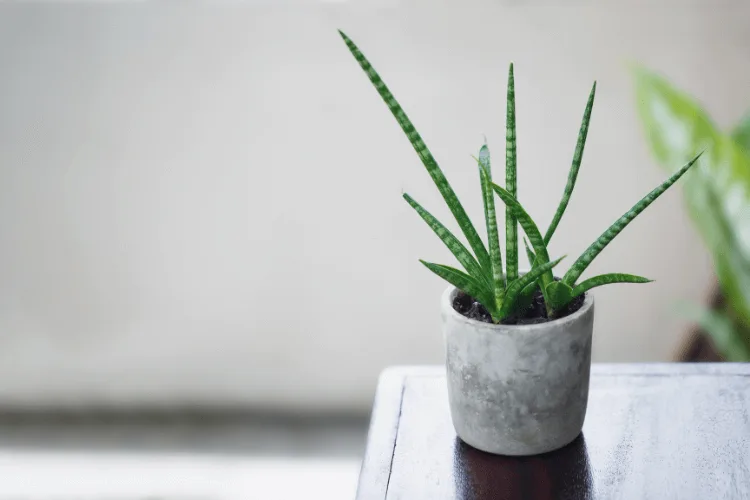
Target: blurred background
x: 205, y: 259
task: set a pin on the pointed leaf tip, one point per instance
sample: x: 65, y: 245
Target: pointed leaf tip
x: 616, y: 228
x: 457, y: 248
x: 429, y: 162
x: 608, y: 279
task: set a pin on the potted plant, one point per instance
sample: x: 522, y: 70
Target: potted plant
x: 518, y: 345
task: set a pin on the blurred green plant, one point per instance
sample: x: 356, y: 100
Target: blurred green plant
x: 504, y: 292
x: 717, y: 195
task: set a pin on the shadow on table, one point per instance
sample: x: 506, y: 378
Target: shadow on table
x: 564, y: 474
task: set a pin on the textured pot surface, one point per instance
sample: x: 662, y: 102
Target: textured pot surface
x: 518, y: 389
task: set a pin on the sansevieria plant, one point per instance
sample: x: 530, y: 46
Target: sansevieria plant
x: 503, y: 292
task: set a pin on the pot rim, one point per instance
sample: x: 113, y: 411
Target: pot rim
x: 451, y: 291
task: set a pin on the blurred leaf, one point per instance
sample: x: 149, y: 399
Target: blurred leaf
x: 741, y: 134
x: 726, y: 337
x: 676, y: 128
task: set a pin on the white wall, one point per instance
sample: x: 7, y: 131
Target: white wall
x: 203, y: 204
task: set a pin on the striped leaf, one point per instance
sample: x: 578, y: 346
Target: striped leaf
x: 524, y: 298
x: 606, y: 279
x: 464, y: 282
x: 576, y: 165
x: 595, y: 249
x: 529, y: 253
x: 527, y: 294
x: 530, y: 228
x: 493, y: 239
x: 454, y: 245
x: 519, y: 284
x: 424, y: 154
x: 558, y: 296
x: 511, y: 225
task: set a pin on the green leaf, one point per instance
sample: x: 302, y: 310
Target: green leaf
x: 575, y: 166
x: 730, y: 259
x: 519, y: 284
x: 496, y: 258
x: 676, y: 127
x: 524, y: 298
x: 529, y: 227
x: 527, y: 294
x: 596, y: 247
x: 606, y: 279
x: 726, y: 337
x: 454, y: 245
x: 529, y: 253
x: 741, y: 134
x: 465, y: 283
x: 424, y: 154
x: 559, y: 295
x: 511, y: 225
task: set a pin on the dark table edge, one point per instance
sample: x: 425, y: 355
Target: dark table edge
x: 381, y: 437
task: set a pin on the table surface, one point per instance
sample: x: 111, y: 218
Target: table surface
x: 657, y: 431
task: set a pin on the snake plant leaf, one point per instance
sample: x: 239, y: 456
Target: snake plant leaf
x: 575, y: 166
x: 527, y: 294
x: 596, y: 247
x: 676, y: 127
x: 519, y: 284
x: 558, y: 295
x: 606, y: 279
x: 529, y: 253
x: 493, y: 238
x: 464, y: 282
x: 524, y: 298
x: 530, y: 228
x: 424, y: 154
x: 457, y: 248
x: 741, y: 134
x: 724, y: 333
x: 511, y: 224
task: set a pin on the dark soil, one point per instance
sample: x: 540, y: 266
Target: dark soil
x: 535, y: 313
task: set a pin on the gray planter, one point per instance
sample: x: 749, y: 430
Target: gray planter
x: 518, y: 390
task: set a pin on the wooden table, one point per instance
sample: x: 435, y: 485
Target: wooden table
x: 657, y: 431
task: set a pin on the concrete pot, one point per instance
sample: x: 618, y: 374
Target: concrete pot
x: 518, y: 389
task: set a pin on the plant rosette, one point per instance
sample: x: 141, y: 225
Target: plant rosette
x: 518, y: 345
